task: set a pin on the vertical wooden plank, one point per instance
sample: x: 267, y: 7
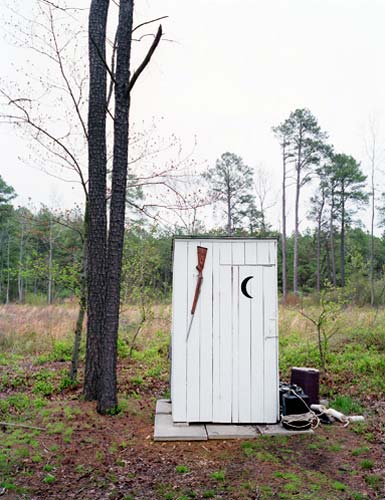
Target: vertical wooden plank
x: 193, y: 351
x: 244, y: 324
x: 257, y: 384
x: 237, y: 258
x: 179, y: 329
x: 273, y: 252
x: 263, y: 252
x: 237, y: 253
x: 206, y: 338
x: 250, y: 252
x: 216, y: 297
x: 271, y: 408
x: 234, y: 341
x: 225, y: 336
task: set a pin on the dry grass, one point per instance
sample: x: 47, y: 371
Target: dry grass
x: 34, y: 329
x: 351, y: 318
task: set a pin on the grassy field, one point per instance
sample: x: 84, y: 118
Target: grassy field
x: 69, y: 451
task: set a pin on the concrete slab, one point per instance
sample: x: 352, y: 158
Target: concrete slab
x: 279, y: 430
x: 230, y: 431
x: 165, y: 430
x: 163, y: 406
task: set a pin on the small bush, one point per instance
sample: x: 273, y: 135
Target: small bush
x: 43, y: 387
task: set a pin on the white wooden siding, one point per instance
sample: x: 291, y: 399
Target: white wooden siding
x: 227, y: 370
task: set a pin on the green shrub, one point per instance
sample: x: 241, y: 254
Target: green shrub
x: 43, y: 387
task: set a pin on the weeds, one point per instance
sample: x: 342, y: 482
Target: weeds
x: 218, y: 476
x: 49, y: 479
x: 181, y: 469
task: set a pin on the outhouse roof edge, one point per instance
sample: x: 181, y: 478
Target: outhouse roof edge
x: 227, y: 238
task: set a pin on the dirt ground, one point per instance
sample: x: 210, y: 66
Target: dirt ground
x: 83, y: 455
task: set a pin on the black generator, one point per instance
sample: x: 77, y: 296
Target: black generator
x: 293, y: 400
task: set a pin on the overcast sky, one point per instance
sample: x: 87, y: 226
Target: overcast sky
x: 235, y: 69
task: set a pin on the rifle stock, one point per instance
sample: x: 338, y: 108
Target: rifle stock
x: 202, y: 252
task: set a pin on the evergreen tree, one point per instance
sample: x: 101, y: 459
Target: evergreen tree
x: 350, y: 185
x: 231, y: 183
x: 305, y: 144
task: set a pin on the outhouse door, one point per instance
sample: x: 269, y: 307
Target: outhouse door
x: 227, y: 369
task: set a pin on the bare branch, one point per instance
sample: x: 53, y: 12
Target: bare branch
x: 146, y: 60
x: 149, y: 22
x: 64, y: 75
x: 27, y: 119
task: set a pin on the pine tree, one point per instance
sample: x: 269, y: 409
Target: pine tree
x: 231, y: 184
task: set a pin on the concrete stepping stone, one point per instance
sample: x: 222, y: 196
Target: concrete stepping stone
x: 166, y: 430
x: 163, y: 406
x: 279, y: 430
x: 230, y: 431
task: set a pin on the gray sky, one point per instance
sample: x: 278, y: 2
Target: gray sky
x: 238, y: 68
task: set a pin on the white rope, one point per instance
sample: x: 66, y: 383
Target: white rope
x: 312, y: 418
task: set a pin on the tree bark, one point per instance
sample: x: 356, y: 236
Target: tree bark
x: 97, y: 217
x: 2, y: 262
x: 342, y: 248
x: 21, y: 256
x: 107, y: 400
x: 78, y: 336
x: 372, y: 231
x: 319, y: 226
x: 296, y: 216
x: 82, y: 304
x: 296, y: 233
x: 8, y: 270
x: 284, y: 263
x: 229, y: 215
x: 50, y: 258
x: 331, y: 237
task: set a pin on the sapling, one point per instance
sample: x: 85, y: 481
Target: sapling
x: 325, y: 320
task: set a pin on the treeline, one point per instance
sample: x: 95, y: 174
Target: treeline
x: 41, y: 259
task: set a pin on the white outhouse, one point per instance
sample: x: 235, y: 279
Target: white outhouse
x: 224, y: 364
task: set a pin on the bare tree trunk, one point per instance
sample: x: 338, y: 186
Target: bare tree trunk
x: 107, y: 400
x: 97, y: 168
x: 319, y: 226
x: 342, y: 248
x: 372, y: 226
x: 328, y: 265
x: 82, y: 304
x: 8, y: 270
x: 296, y: 216
x: 296, y: 233
x: 50, y: 258
x: 332, y: 250
x: 20, y: 271
x: 284, y: 263
x: 78, y: 333
x: 2, y: 262
x: 229, y: 225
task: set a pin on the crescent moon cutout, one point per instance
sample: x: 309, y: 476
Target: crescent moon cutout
x: 243, y: 287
